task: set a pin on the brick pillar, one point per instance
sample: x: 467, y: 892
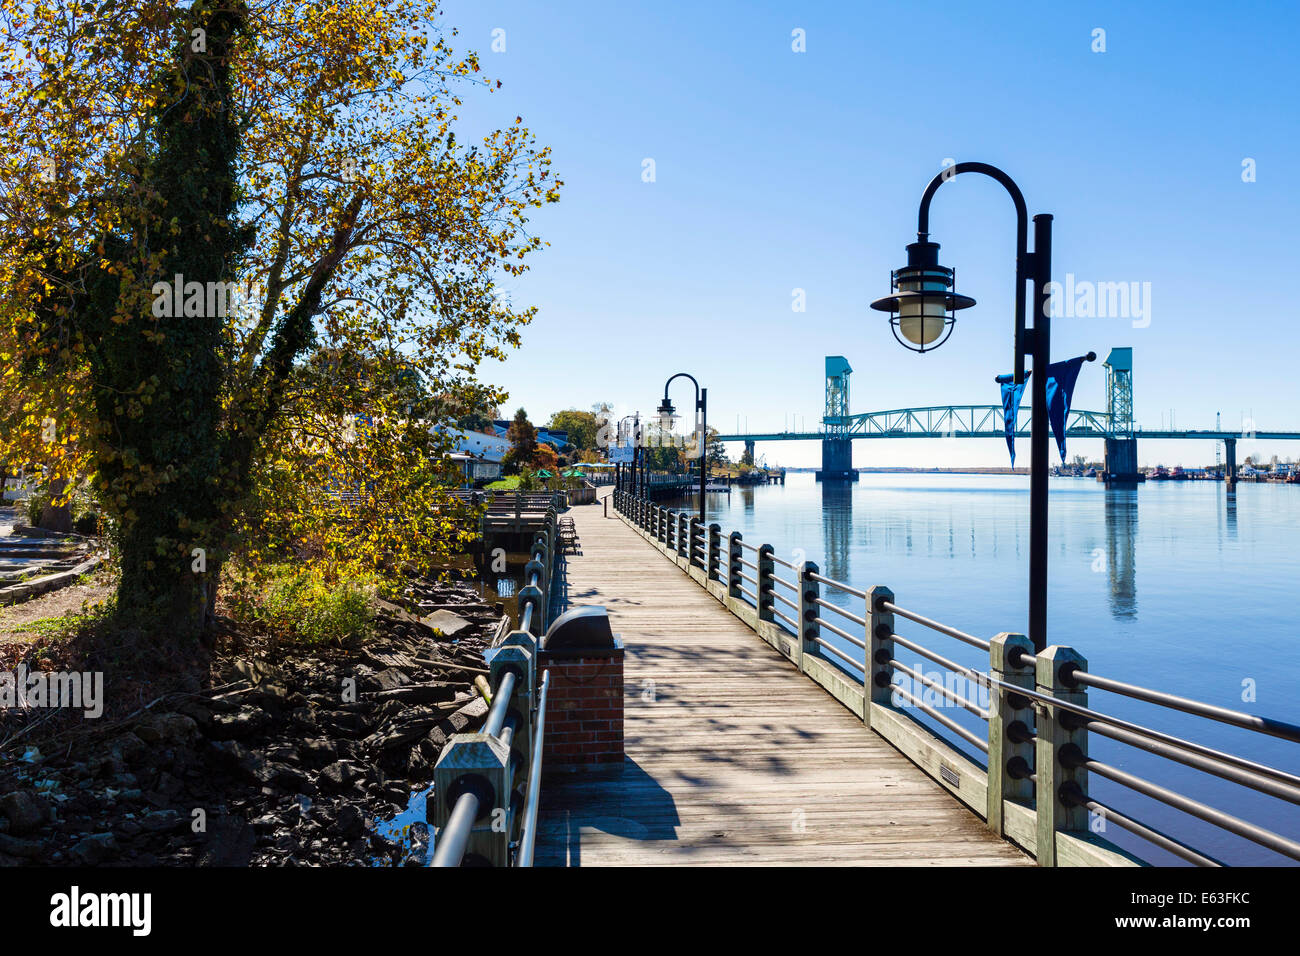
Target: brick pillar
x: 584, y: 709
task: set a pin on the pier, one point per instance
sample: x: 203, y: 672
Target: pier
x: 732, y: 756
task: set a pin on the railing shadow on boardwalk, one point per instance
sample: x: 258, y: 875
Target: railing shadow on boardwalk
x: 569, y: 806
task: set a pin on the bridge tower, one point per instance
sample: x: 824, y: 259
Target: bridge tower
x: 1121, y: 463
x: 837, y: 447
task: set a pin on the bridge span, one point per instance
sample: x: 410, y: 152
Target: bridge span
x: 1115, y: 426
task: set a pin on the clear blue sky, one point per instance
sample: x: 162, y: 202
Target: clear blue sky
x: 778, y: 170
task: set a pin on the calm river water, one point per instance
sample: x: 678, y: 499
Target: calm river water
x: 1172, y: 585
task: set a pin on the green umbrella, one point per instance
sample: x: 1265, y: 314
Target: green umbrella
x: 543, y: 473
x: 572, y: 473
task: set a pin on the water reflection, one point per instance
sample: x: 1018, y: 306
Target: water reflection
x: 1232, y: 515
x: 837, y: 528
x: 1121, y: 563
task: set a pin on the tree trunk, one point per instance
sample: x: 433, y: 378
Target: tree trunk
x: 162, y: 593
x: 56, y: 517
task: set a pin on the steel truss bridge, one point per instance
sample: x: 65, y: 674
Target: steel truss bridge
x: 985, y: 421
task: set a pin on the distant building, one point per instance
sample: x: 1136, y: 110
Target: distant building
x: 478, y: 454
x: 556, y: 439
x: 480, y: 444
x: 476, y: 469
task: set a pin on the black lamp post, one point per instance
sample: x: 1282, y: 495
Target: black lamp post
x: 666, y: 414
x: 922, y: 304
x: 636, y: 427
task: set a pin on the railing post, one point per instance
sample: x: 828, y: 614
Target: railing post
x: 880, y: 636
x: 693, y: 532
x: 546, y: 542
x: 1011, y: 723
x: 766, y: 573
x: 1058, y: 743
x: 809, y: 591
x: 477, y: 763
x: 683, y: 535
x: 670, y: 530
x: 518, y: 653
x: 714, y: 547
x: 543, y: 594
x: 531, y: 594
x: 735, y: 551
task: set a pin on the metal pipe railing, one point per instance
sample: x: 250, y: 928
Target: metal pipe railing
x: 936, y: 626
x: 831, y: 582
x: 952, y: 695
x: 528, y: 829
x: 1225, y: 821
x: 832, y: 649
x: 453, y: 838
x: 1097, y: 716
x: 794, y: 625
x: 1245, y: 778
x: 1073, y: 796
x: 856, y: 641
x: 956, y: 728
x: 496, y: 717
x: 942, y: 661
x: 841, y: 611
x: 1263, y: 725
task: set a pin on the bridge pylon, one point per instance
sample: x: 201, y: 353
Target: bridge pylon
x: 837, y: 447
x: 1121, y: 461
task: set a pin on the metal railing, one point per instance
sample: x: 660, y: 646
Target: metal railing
x: 1033, y: 789
x: 487, y: 784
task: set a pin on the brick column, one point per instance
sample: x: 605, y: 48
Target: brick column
x: 584, y: 710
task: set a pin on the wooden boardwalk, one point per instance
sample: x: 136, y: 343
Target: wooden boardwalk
x: 733, y: 757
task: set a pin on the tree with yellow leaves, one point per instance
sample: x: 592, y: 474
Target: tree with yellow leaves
x: 203, y: 204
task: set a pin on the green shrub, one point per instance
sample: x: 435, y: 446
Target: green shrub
x: 36, y: 503
x: 302, y: 604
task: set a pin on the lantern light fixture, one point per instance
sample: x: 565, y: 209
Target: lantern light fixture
x: 923, y: 301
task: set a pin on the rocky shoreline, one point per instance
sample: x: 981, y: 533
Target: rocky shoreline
x: 293, y: 756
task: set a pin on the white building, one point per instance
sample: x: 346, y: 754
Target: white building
x: 478, y: 455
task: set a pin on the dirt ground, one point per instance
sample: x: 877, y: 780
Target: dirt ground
x: 16, y: 620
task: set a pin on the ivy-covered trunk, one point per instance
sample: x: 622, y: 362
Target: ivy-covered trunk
x: 161, y: 357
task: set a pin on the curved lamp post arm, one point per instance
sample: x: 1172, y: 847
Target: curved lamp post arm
x: 693, y: 382
x: 701, y: 397
x: 1023, y: 260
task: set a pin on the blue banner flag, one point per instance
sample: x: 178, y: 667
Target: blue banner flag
x: 1061, y: 377
x: 1011, y: 395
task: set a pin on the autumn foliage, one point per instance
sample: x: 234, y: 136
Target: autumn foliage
x: 298, y: 163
